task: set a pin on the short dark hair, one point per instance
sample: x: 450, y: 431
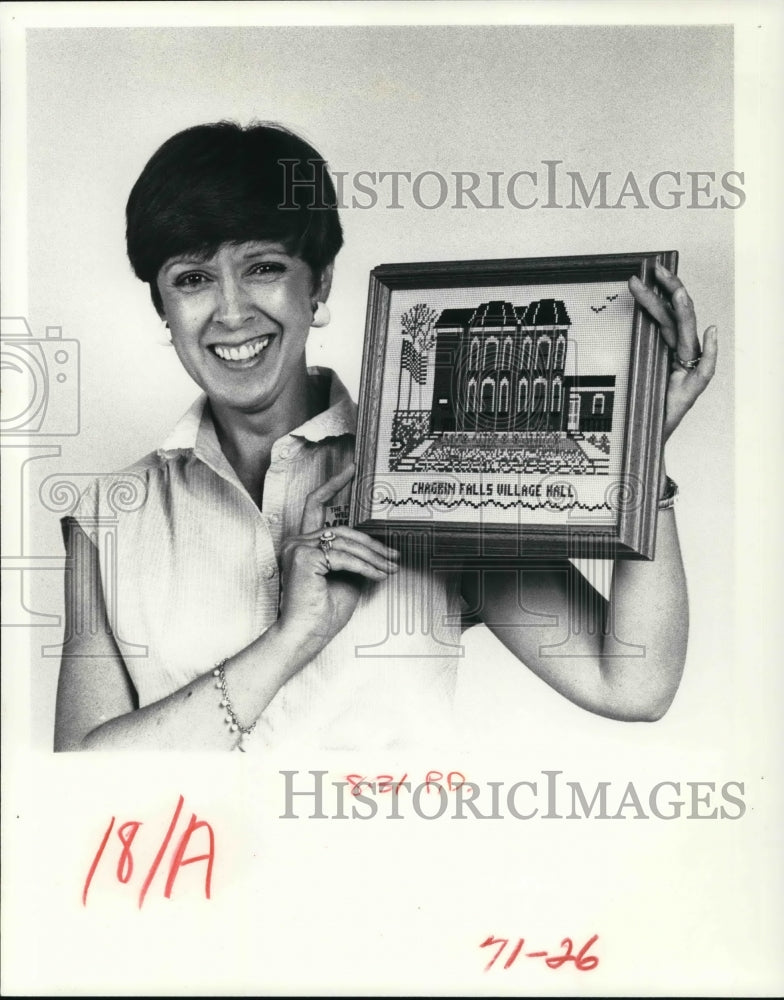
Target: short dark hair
x: 225, y: 183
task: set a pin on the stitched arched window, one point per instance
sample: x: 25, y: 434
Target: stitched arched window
x: 560, y: 351
x: 491, y: 352
x: 540, y: 390
x: 543, y: 353
x: 488, y: 396
x: 503, y: 396
x: 506, y: 357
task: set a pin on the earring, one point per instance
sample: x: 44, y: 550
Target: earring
x: 321, y: 315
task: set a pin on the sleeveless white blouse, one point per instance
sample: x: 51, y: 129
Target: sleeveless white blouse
x: 190, y: 573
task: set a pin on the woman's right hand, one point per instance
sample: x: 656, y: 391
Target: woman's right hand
x: 319, y: 591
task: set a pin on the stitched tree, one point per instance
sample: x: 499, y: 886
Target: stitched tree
x: 417, y: 323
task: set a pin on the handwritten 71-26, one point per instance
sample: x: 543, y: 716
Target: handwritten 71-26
x: 582, y: 960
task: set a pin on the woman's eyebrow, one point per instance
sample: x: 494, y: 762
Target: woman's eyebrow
x: 184, y: 259
x: 196, y: 260
x: 274, y: 248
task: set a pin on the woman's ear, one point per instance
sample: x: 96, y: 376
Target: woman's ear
x: 324, y: 284
x: 321, y: 316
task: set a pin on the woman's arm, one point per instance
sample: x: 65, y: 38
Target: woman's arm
x: 622, y: 658
x: 95, y: 698
x: 96, y: 701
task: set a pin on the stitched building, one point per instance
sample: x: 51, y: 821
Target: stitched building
x: 500, y: 367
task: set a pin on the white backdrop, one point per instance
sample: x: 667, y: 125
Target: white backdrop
x: 416, y: 98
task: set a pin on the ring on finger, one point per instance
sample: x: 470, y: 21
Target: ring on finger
x: 690, y: 363
x: 325, y: 541
x: 326, y: 560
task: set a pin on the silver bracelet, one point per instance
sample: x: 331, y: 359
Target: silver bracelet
x: 670, y: 495
x: 225, y: 702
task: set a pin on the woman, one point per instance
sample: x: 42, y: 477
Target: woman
x: 229, y: 612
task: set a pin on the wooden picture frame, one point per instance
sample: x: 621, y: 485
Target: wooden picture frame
x: 512, y: 408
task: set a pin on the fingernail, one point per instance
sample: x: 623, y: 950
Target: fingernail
x: 661, y: 267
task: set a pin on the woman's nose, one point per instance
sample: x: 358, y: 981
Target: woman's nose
x: 234, y: 307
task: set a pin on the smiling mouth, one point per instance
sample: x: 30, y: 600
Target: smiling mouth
x: 244, y: 352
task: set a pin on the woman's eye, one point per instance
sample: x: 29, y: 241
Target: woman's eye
x: 267, y: 268
x: 191, y: 279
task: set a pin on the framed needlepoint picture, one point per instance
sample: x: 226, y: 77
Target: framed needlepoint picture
x: 512, y: 407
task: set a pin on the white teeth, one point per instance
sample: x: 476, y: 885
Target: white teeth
x: 242, y: 353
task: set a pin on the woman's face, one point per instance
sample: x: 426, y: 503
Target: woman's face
x: 239, y: 321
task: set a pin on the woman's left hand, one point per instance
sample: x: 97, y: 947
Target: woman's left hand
x: 678, y: 324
